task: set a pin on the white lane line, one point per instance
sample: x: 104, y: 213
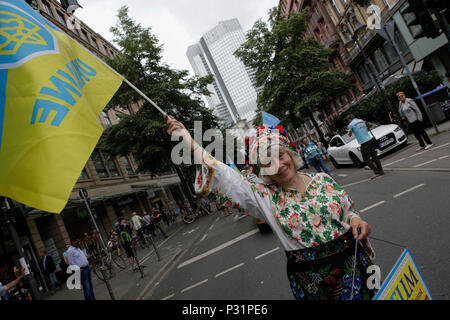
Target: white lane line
x: 168, y: 297
x: 212, y: 226
x: 385, y: 165
x: 342, y: 175
x: 230, y: 269
x: 357, y: 182
x: 431, y: 149
x: 422, y: 164
x: 217, y: 219
x: 222, y: 246
x: 266, y: 253
x: 372, y: 206
x: 204, y: 237
x: 410, y: 189
x: 194, y: 285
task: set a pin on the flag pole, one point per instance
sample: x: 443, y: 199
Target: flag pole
x: 144, y: 96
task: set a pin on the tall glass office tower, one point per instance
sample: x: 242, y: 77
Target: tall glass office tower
x: 233, y: 95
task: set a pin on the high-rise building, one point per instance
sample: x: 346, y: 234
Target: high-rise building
x: 233, y: 94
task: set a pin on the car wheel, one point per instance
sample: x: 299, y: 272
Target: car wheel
x: 356, y: 160
x: 335, y: 164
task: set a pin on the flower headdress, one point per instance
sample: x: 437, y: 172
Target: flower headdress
x: 265, y: 138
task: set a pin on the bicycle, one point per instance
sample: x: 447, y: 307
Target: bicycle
x: 106, y: 261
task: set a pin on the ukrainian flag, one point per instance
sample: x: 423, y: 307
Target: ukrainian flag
x: 51, y: 92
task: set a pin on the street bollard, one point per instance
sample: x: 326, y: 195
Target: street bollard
x: 111, y: 293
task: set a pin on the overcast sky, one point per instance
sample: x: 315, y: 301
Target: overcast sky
x: 177, y: 23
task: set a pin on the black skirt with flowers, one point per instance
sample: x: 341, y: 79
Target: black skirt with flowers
x: 325, y: 272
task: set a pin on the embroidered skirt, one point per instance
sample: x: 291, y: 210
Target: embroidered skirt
x: 325, y: 272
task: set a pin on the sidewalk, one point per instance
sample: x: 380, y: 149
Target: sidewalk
x: 128, y: 284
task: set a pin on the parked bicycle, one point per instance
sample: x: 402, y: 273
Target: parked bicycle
x: 106, y: 261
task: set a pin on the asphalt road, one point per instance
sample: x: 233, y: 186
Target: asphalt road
x: 225, y: 257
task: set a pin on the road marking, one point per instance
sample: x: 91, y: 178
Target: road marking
x: 358, y: 182
x: 422, y: 164
x: 168, y: 297
x: 217, y: 219
x: 189, y: 232
x: 372, y: 206
x: 230, y: 269
x: 385, y: 165
x: 204, y: 237
x: 410, y: 189
x: 342, y: 175
x: 266, y: 253
x: 438, y: 147
x: 212, y: 226
x: 194, y: 285
x: 222, y: 246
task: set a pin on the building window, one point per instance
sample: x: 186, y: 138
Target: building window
x: 84, y: 35
x: 94, y: 42
x: 61, y: 18
x: 47, y: 8
x: 99, y: 164
x: 106, y: 118
x: 389, y: 53
x: 110, y: 164
x: 362, y: 74
x: 380, y: 60
x: 83, y: 175
x: 335, y: 7
x: 126, y: 163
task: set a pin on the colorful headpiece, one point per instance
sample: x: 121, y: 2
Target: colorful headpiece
x: 265, y: 138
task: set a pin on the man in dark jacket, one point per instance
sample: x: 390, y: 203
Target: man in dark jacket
x: 48, y: 268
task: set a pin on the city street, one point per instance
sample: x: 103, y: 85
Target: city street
x: 228, y: 259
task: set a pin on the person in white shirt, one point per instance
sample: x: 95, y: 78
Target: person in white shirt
x: 408, y: 109
x: 76, y: 257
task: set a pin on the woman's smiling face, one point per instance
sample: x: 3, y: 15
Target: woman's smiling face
x: 281, y: 167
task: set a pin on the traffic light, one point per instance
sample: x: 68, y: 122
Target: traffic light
x: 419, y: 20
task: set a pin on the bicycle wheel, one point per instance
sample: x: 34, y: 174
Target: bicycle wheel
x: 107, y: 272
x: 120, y: 261
x: 189, y: 218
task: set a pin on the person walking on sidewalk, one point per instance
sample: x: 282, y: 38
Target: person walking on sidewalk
x: 127, y: 243
x: 76, y: 257
x: 408, y: 109
x: 157, y: 220
x: 49, y: 268
x: 314, y: 156
x: 360, y: 129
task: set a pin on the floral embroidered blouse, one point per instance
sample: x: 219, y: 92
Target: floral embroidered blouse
x: 300, y: 221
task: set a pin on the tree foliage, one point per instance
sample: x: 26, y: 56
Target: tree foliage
x: 294, y: 70
x: 174, y: 91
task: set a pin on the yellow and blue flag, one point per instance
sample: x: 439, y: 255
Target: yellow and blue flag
x: 52, y: 91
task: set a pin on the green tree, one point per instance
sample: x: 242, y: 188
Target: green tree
x: 294, y: 70
x: 143, y: 132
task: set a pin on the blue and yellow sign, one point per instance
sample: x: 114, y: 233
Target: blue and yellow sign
x: 404, y: 282
x: 52, y: 91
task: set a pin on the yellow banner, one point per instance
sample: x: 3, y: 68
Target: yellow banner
x: 404, y: 282
x: 52, y: 92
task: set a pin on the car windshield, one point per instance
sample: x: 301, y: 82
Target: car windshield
x: 348, y: 139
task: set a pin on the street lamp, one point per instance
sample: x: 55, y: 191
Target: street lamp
x: 368, y: 64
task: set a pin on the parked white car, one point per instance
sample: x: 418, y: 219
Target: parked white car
x: 346, y: 150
